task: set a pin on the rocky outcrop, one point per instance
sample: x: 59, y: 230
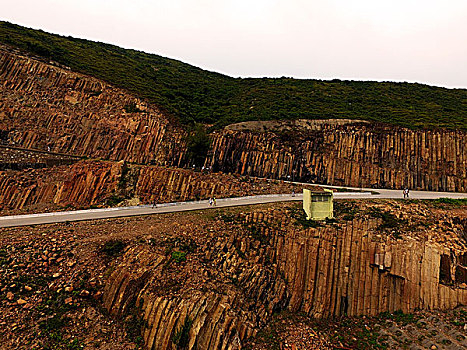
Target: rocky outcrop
x: 43, y: 106
x: 89, y: 183
x: 217, y: 306
x: 351, y: 155
x: 209, y: 279
x: 264, y: 261
x: 15, y: 158
x: 351, y: 272
x: 76, y: 185
x: 173, y: 184
x: 210, y: 320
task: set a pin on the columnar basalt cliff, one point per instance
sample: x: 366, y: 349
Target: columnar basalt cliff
x: 216, y: 320
x: 79, y: 184
x: 353, y: 155
x: 355, y: 273
x: 90, y: 183
x: 42, y: 105
x: 359, y: 267
x: 15, y: 158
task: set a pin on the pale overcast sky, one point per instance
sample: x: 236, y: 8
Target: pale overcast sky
x: 398, y: 40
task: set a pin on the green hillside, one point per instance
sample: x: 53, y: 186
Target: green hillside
x: 195, y: 95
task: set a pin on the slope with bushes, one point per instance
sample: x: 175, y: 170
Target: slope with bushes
x: 195, y: 95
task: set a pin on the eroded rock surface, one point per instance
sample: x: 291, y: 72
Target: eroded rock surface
x: 216, y: 278
x: 44, y: 106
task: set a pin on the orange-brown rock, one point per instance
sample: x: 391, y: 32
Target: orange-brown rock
x: 77, y: 184
x: 356, y: 267
x: 351, y: 272
x: 16, y: 158
x: 43, y: 106
x: 173, y: 184
x: 352, y: 155
x: 88, y: 183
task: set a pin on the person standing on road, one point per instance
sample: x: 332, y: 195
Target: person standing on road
x: 406, y: 192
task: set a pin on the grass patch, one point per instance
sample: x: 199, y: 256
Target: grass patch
x: 181, y: 337
x: 255, y: 231
x: 389, y: 222
x: 345, y: 210
x: 399, y: 317
x: 3, y: 257
x: 52, y: 327
x: 114, y: 200
x: 131, y: 108
x: 133, y: 325
x: 299, y: 217
x: 451, y: 201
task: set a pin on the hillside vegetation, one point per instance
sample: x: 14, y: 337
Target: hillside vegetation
x: 195, y: 95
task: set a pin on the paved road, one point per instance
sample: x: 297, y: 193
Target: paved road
x: 93, y: 214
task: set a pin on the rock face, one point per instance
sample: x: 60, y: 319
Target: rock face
x: 44, y: 106
x: 66, y: 185
x: 353, y: 155
x: 208, y: 279
x: 12, y: 158
x: 88, y: 183
x: 351, y: 273
x: 172, y: 184
x: 213, y: 318
x: 350, y: 268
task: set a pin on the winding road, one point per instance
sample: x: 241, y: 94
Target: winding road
x: 107, y: 213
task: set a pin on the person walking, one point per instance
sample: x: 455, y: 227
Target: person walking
x: 210, y: 201
x: 214, y: 201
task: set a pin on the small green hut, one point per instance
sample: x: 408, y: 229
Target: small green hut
x: 318, y: 204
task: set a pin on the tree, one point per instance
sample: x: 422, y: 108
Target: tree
x: 198, y: 144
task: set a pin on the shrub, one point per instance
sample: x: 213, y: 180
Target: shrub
x: 113, y: 247
x: 113, y: 200
x: 198, y: 144
x: 452, y: 201
x: 131, y: 108
x: 178, y: 257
